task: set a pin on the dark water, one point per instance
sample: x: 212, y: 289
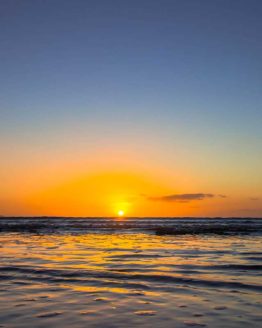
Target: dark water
x: 108, y: 273
x: 155, y: 225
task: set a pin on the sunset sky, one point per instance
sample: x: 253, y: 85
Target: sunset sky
x: 150, y: 107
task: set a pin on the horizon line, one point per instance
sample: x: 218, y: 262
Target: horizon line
x: 125, y: 217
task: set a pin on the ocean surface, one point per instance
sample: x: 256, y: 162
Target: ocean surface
x: 133, y: 272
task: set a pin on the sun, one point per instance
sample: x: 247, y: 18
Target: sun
x: 121, y: 213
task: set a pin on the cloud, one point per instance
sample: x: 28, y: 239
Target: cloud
x: 181, y: 198
x: 222, y: 196
x: 258, y: 210
x: 253, y: 198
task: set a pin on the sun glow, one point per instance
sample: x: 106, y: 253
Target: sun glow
x: 121, y: 213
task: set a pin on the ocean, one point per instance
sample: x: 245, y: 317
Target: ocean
x: 130, y: 272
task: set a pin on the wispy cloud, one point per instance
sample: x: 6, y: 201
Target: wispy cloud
x: 253, y: 198
x: 182, y: 198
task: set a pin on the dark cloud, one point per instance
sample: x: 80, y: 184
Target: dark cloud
x: 181, y: 198
x: 222, y: 196
x: 254, y: 198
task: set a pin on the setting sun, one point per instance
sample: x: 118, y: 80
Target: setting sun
x: 121, y: 213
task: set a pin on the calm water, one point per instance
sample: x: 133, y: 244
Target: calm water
x: 129, y: 277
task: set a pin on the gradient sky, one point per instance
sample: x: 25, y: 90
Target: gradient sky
x: 153, y: 107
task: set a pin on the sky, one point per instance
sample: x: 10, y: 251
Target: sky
x: 150, y: 107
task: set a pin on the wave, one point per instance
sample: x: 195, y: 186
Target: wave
x: 108, y: 278
x: 159, y: 226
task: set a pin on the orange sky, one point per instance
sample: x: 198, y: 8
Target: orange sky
x: 64, y: 174
x: 137, y: 183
